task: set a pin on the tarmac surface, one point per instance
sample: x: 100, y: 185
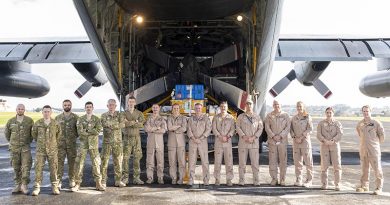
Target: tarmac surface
x: 200, y: 194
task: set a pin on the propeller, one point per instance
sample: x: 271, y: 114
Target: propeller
x: 282, y: 84
x: 83, y: 89
x: 322, y: 88
x: 307, y: 73
x: 93, y: 74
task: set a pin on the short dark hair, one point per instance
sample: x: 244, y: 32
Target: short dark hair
x: 88, y: 103
x: 223, y: 102
x: 66, y: 100
x: 329, y: 108
x: 46, y: 106
x: 199, y: 104
x: 131, y: 98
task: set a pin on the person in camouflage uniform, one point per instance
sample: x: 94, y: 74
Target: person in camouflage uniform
x: 134, y: 120
x: 67, y: 146
x: 46, y: 132
x: 18, y: 134
x: 112, y: 122
x: 88, y: 128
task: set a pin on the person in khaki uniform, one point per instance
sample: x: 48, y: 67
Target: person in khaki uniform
x: 46, y: 132
x: 329, y: 133
x: 67, y: 146
x: 249, y: 128
x: 177, y: 126
x: 199, y: 128
x: 371, y: 134
x: 134, y: 120
x: 155, y: 126
x: 223, y: 130
x: 88, y: 128
x: 277, y: 125
x: 112, y: 123
x: 301, y: 128
x: 18, y: 134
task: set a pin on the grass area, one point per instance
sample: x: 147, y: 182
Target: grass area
x: 5, y: 116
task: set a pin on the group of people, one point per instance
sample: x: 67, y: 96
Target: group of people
x: 56, y: 139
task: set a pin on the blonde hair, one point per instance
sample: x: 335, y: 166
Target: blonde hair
x: 303, y: 107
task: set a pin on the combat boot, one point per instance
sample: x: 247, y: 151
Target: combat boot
x: 137, y: 181
x: 24, y: 189
x: 99, y: 186
x: 16, y: 189
x: 308, y: 184
x: 120, y: 184
x: 256, y: 181
x: 378, y: 192
x: 362, y: 189
x: 75, y: 188
x: 229, y: 183
x: 217, y: 182
x: 72, y: 184
x: 298, y: 182
x: 36, y: 190
x: 149, y: 181
x: 104, y: 184
x: 274, y: 182
x: 56, y: 190
x: 180, y: 182
x: 241, y: 182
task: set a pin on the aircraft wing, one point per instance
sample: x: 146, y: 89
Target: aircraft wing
x: 331, y: 48
x: 16, y: 55
x: 49, y: 50
x: 290, y: 48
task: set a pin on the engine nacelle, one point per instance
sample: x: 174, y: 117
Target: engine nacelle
x: 376, y: 85
x: 92, y: 73
x: 16, y: 80
x: 308, y: 72
x: 382, y: 63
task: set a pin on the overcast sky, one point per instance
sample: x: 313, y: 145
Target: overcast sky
x: 58, y: 18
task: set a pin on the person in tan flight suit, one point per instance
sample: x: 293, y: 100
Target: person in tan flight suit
x: 18, y: 134
x: 301, y: 128
x: 223, y: 130
x: 46, y: 132
x: 67, y: 147
x: 155, y: 126
x: 134, y: 120
x: 112, y: 123
x: 177, y: 125
x: 371, y: 134
x: 277, y: 125
x: 199, y: 128
x: 329, y: 133
x: 249, y: 128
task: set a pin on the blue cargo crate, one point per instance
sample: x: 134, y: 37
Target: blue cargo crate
x: 180, y: 92
x: 197, y: 92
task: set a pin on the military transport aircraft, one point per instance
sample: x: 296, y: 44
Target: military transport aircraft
x: 229, y: 46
